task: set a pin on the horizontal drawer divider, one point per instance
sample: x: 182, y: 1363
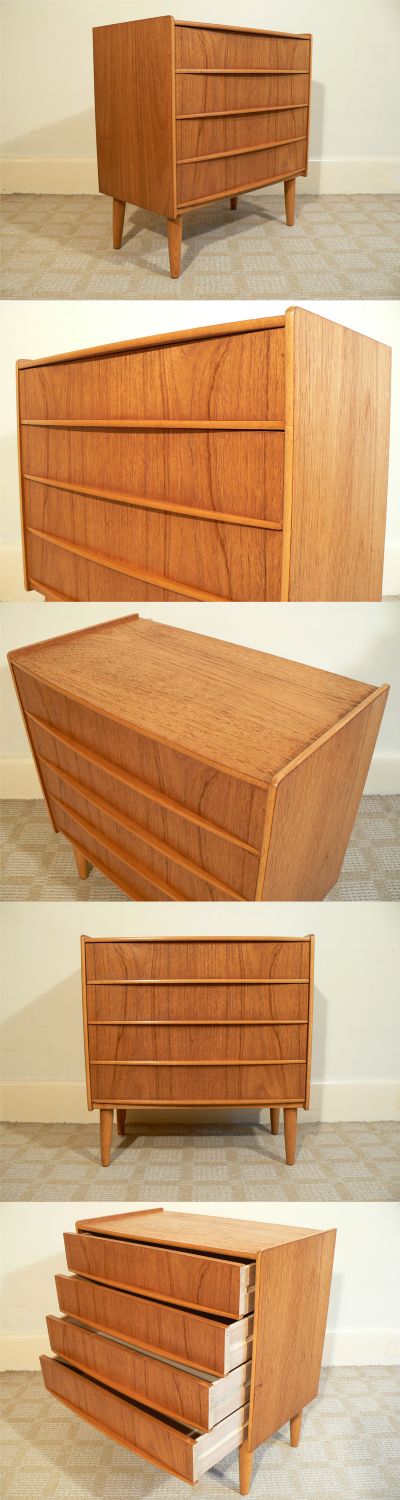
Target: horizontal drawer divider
x: 172, y: 1062
x: 237, y: 189
x: 140, y: 833
x: 119, y: 774
x: 291, y: 140
x: 114, y: 849
x: 254, y: 109
x: 259, y: 983
x: 140, y: 502
x: 226, y: 1024
x: 118, y: 567
x: 247, y: 72
x: 42, y: 588
x: 153, y: 423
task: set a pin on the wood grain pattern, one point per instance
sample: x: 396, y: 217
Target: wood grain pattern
x: 195, y: 1231
x: 162, y: 1440
x: 195, y: 1399
x: 341, y: 427
x: 200, y: 181
x: 216, y: 1285
x: 134, y: 112
x: 190, y: 960
x: 186, y: 1004
x: 201, y: 1043
x: 293, y: 1296
x: 210, y: 1344
x: 256, y: 1084
x: 183, y: 719
x: 203, y: 135
x: 147, y: 73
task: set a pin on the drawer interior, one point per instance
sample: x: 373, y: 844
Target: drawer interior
x: 185, y: 1277
x: 165, y: 1441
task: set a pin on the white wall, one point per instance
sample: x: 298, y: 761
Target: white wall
x: 48, y: 130
x: 363, y: 1315
x: 355, y: 640
x: 31, y: 329
x: 355, y: 1070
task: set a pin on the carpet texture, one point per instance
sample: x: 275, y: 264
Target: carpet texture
x: 340, y: 246
x: 335, y: 1162
x: 38, y: 866
x: 350, y: 1447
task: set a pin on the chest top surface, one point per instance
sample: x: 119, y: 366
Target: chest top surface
x: 239, y: 709
x: 195, y: 1231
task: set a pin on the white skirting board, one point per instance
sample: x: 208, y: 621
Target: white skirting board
x: 344, y: 1346
x: 51, y: 1102
x: 44, y: 174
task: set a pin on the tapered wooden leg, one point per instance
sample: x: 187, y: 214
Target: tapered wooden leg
x: 174, y: 227
x: 290, y: 197
x: 274, y: 1113
x: 233, y: 202
x: 106, y: 1125
x: 290, y: 1118
x: 118, y: 222
x: 245, y: 1468
x: 83, y: 866
x: 121, y: 1117
x: 295, y: 1429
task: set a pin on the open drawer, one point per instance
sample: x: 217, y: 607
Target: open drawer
x: 171, y: 1445
x: 189, y: 1395
x: 207, y: 1343
x: 185, y: 1277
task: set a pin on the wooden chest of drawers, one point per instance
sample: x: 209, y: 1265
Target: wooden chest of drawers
x: 185, y: 1337
x: 188, y: 114
x: 224, y: 1022
x: 239, y: 462
x: 189, y: 768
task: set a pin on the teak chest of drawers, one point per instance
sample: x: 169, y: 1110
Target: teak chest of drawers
x: 219, y: 1022
x: 240, y: 462
x: 185, y: 1337
x: 187, y: 114
x: 190, y: 768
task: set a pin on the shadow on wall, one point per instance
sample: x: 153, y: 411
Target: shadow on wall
x: 74, y: 136
x: 44, y: 1039
x: 317, y: 109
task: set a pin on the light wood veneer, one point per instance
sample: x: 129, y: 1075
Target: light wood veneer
x: 246, y: 461
x: 189, y: 768
x: 177, y: 1386
x: 242, y: 1039
x: 189, y: 113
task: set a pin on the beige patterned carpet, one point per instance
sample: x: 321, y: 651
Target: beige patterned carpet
x: 349, y: 1449
x: 38, y: 866
x: 335, y: 1162
x: 339, y: 246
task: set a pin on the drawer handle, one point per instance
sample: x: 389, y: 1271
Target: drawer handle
x: 141, y: 502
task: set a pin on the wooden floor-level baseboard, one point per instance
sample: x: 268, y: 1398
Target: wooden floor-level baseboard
x: 75, y: 175
x: 59, y: 1102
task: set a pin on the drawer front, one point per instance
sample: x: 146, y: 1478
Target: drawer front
x: 147, y: 821
x: 210, y: 94
x: 196, y: 1043
x: 169, y: 1388
x: 145, y: 1084
x: 199, y: 48
x: 208, y: 179
x: 161, y: 863
x: 219, y: 799
x: 132, y: 861
x: 229, y: 960
x: 55, y: 569
x: 211, y: 1283
x: 119, y: 1004
x: 230, y: 132
x: 201, y: 1341
x: 231, y: 472
x: 176, y: 551
x: 164, y: 1441
x: 240, y: 376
